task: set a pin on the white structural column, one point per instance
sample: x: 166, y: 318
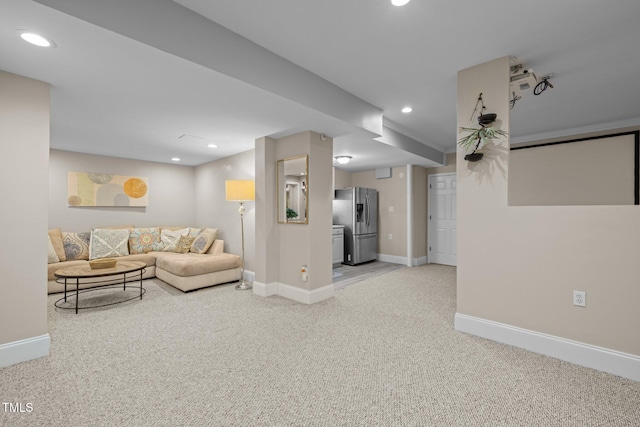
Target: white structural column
x: 410, y: 215
x: 24, y: 107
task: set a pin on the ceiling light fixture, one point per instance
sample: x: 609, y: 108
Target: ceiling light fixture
x: 343, y: 160
x: 399, y: 2
x: 36, y: 39
x: 407, y: 110
x: 175, y: 159
x: 212, y: 146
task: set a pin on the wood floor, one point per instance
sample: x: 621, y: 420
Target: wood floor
x: 345, y: 275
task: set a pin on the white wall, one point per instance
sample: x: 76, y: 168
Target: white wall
x: 518, y: 266
x: 178, y: 196
x: 171, y: 193
x: 213, y: 210
x: 392, y: 210
x: 24, y: 125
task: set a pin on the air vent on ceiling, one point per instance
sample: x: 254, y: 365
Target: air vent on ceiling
x: 190, y: 138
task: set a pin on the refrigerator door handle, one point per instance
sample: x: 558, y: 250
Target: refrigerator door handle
x: 368, y: 211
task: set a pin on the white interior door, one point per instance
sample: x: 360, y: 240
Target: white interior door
x: 442, y: 219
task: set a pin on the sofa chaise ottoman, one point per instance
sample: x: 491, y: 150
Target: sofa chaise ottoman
x: 193, y: 271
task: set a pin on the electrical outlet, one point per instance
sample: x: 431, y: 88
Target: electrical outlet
x: 580, y: 298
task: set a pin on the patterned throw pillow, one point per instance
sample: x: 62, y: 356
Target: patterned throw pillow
x: 193, y: 232
x: 183, y: 244
x: 143, y: 240
x: 76, y: 245
x: 52, y: 256
x: 169, y: 238
x: 204, y: 240
x: 106, y: 243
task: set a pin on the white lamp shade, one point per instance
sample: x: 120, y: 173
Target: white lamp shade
x: 343, y: 160
x: 240, y: 190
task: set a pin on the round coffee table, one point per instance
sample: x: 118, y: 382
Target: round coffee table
x: 121, y: 273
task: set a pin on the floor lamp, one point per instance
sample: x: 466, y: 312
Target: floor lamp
x: 241, y: 191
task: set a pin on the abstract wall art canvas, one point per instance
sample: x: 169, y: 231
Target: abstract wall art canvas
x: 101, y: 189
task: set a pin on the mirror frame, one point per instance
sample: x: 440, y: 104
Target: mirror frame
x: 281, y: 189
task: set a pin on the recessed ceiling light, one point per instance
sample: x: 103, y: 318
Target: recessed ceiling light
x: 212, y: 146
x: 36, y: 39
x: 399, y: 2
x: 343, y: 160
x: 407, y: 110
x: 175, y: 159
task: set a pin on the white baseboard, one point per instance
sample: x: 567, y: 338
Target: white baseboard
x: 294, y: 293
x: 419, y: 261
x: 23, y: 350
x: 402, y: 260
x: 249, y: 276
x: 603, y: 359
x: 393, y: 259
x: 265, y: 289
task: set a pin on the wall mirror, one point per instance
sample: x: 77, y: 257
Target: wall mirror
x: 293, y: 187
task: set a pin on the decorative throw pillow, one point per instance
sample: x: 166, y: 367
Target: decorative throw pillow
x: 56, y: 240
x: 193, y: 232
x: 52, y: 256
x: 204, y: 240
x: 183, y: 244
x: 143, y: 240
x: 169, y: 238
x: 76, y: 245
x: 106, y: 243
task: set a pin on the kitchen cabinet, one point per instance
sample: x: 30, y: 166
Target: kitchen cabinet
x: 338, y: 244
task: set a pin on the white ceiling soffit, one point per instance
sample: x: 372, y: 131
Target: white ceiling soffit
x: 180, y: 31
x: 114, y: 96
x: 368, y: 153
x: 391, y: 56
x: 241, y: 59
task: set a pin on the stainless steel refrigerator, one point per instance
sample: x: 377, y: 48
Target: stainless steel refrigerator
x: 357, y: 209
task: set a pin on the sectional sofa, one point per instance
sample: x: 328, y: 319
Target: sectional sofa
x: 184, y: 257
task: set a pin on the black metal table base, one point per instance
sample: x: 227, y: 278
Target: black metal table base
x: 99, y: 285
x: 70, y: 299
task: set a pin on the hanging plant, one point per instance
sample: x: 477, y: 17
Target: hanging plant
x: 480, y: 135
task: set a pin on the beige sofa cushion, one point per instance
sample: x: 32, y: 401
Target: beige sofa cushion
x: 56, y: 239
x: 191, y: 264
x: 52, y: 257
x: 147, y: 258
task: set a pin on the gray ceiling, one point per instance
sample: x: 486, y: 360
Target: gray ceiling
x: 130, y: 77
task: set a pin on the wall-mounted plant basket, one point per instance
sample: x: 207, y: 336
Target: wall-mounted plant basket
x: 487, y: 119
x: 473, y: 157
x: 479, y: 135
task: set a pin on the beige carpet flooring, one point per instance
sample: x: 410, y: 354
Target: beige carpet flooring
x: 383, y: 352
